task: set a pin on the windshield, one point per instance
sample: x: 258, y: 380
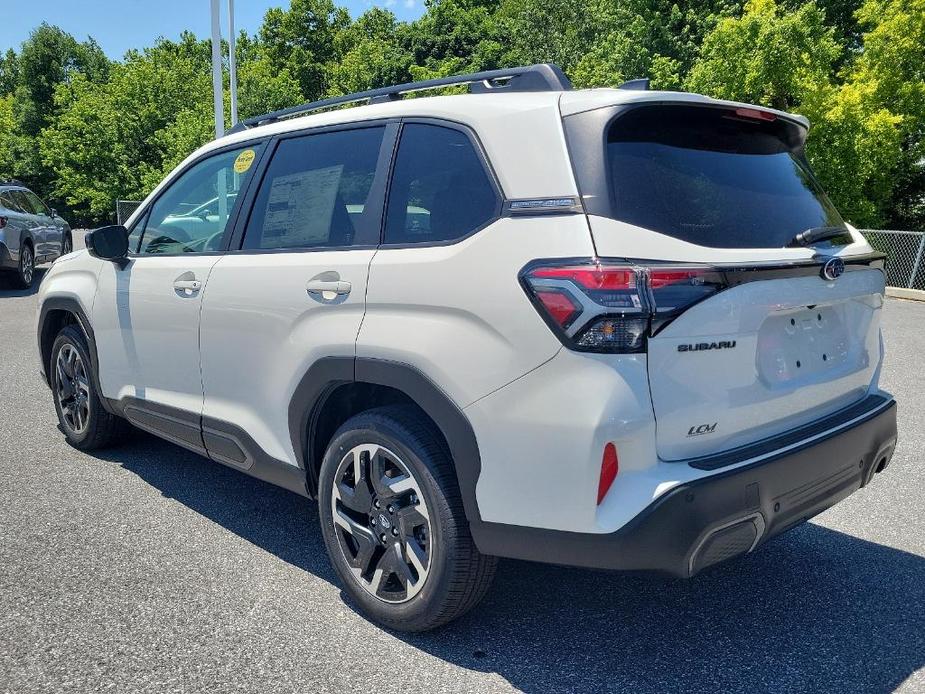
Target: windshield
x: 714, y: 177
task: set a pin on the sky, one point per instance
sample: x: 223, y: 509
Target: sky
x: 118, y: 25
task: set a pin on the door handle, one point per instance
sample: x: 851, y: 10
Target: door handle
x: 323, y: 287
x: 187, y: 285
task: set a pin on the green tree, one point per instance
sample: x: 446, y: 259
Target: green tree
x: 371, y: 55
x: 304, y: 41
x: 767, y: 56
x: 892, y: 68
x: 9, y: 72
x: 112, y: 140
x: 787, y: 60
x: 7, y: 132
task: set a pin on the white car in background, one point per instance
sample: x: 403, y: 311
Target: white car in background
x: 612, y: 328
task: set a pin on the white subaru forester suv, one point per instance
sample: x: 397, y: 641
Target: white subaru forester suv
x: 611, y: 328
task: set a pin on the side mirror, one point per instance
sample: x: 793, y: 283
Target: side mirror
x: 54, y: 213
x: 109, y: 243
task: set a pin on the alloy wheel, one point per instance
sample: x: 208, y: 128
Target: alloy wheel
x: 72, y: 388
x: 382, y: 523
x: 27, y: 263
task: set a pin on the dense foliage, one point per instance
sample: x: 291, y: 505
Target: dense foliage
x: 84, y: 130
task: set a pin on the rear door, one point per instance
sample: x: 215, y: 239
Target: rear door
x: 294, y: 291
x: 753, y: 334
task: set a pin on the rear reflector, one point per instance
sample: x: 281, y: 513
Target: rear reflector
x: 609, y: 467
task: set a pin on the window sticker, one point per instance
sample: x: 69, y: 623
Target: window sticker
x: 244, y: 161
x: 301, y: 205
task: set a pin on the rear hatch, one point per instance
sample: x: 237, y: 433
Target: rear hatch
x: 753, y: 333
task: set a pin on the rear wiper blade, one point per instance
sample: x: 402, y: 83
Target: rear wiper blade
x: 813, y: 234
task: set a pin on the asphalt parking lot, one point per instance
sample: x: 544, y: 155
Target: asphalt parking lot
x: 146, y: 568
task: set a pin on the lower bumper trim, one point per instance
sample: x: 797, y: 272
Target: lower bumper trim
x: 701, y: 523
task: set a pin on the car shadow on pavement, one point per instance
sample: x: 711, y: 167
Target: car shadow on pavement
x: 814, y: 610
x: 7, y: 289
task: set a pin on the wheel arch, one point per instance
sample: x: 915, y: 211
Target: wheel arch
x: 378, y: 382
x: 55, y: 314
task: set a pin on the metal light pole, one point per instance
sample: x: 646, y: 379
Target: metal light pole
x: 221, y: 184
x: 217, y: 70
x: 232, y: 70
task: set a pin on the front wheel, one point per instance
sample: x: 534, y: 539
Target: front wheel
x: 67, y: 244
x: 25, y: 274
x: 393, y: 523
x: 81, y: 415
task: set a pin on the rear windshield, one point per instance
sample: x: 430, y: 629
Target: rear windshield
x: 714, y: 177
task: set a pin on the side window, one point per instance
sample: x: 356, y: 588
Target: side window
x: 440, y: 191
x: 190, y: 216
x: 315, y: 192
x: 35, y: 202
x: 134, y: 234
x: 7, y: 202
x: 21, y: 201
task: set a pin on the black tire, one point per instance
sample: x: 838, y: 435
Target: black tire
x: 25, y: 271
x: 101, y: 429
x: 67, y: 243
x: 458, y: 575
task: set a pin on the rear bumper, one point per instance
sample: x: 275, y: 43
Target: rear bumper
x: 714, y: 518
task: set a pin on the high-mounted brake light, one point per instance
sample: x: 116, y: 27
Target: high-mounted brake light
x: 597, y: 306
x: 755, y: 114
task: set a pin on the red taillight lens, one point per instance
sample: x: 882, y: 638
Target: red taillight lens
x: 602, y: 307
x: 610, y: 465
x: 559, y: 306
x: 594, y: 277
x: 662, y: 278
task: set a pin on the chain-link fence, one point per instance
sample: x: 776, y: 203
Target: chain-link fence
x: 124, y: 209
x: 905, y: 256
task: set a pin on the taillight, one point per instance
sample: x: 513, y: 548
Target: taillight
x: 599, y: 306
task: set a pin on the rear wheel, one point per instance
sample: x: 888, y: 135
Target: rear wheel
x: 83, y: 419
x: 392, y: 520
x: 25, y: 273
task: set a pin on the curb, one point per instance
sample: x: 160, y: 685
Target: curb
x: 902, y: 293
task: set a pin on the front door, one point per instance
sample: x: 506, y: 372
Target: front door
x: 48, y: 236
x: 146, y: 314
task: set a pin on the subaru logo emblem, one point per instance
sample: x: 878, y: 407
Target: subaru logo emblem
x: 833, y: 269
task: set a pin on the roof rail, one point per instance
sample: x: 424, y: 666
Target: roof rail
x: 11, y: 182
x: 543, y: 77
